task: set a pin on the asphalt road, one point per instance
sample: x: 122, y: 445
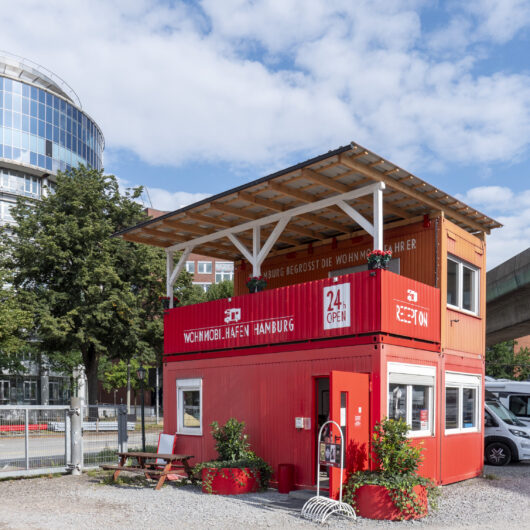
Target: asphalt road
x: 48, y: 449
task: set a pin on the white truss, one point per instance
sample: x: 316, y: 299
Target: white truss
x: 259, y: 253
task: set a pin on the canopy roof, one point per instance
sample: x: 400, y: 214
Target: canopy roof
x: 406, y: 198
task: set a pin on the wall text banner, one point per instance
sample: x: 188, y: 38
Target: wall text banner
x: 352, y: 304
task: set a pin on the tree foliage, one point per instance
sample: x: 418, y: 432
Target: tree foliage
x: 503, y: 362
x: 93, y: 296
x: 15, y: 324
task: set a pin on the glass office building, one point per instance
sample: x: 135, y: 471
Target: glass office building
x: 43, y: 129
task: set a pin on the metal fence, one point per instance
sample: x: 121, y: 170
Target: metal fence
x: 38, y: 439
x: 27, y: 444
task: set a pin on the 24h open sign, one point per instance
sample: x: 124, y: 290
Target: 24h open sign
x: 337, y: 307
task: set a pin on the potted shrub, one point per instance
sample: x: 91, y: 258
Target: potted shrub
x: 256, y: 284
x: 394, y: 490
x: 237, y: 469
x: 378, y: 259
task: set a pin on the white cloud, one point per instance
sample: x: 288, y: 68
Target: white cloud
x: 169, y: 201
x: 512, y: 210
x: 250, y: 82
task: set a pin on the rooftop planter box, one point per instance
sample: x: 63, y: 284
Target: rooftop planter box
x: 376, y: 301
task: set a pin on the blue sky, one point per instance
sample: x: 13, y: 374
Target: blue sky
x: 198, y: 97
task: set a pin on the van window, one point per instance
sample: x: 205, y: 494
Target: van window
x: 503, y: 413
x: 520, y: 405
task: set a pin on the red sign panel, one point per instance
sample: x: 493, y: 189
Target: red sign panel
x: 347, y: 305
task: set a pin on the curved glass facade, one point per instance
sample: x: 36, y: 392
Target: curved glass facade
x: 42, y: 130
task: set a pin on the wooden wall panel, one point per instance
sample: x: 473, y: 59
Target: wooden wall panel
x: 413, y: 244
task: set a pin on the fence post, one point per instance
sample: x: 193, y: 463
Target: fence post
x: 67, y: 439
x: 123, y: 435
x: 77, y: 436
x: 26, y: 436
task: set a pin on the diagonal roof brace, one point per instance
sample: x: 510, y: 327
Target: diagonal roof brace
x: 259, y: 253
x: 293, y: 212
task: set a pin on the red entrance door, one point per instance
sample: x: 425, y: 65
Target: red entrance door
x: 349, y: 407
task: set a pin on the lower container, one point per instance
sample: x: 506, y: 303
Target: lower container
x: 374, y: 502
x: 229, y: 480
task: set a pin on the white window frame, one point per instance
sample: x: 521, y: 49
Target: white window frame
x: 460, y: 381
x: 205, y: 263
x: 414, y: 375
x: 190, y: 265
x: 460, y: 286
x: 219, y: 266
x: 225, y: 276
x: 188, y: 384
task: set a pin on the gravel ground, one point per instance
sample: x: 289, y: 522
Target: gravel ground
x: 501, y: 500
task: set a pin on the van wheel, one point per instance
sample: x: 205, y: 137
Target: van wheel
x: 498, y: 454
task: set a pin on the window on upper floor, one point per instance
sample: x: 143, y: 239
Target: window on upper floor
x: 190, y: 266
x: 462, y: 285
x: 204, y: 267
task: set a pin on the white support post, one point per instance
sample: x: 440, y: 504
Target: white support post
x: 258, y: 255
x: 256, y: 243
x: 378, y: 217
x: 356, y: 216
x: 173, y: 272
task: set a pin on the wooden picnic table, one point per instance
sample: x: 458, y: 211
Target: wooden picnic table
x: 147, y: 464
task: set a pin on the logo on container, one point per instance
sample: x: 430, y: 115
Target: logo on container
x: 232, y: 315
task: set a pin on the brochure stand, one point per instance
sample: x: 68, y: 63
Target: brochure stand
x: 318, y: 509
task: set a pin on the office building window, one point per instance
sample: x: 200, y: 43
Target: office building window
x: 190, y: 266
x: 204, y: 267
x: 223, y: 271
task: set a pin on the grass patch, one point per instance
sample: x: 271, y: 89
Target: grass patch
x: 490, y: 476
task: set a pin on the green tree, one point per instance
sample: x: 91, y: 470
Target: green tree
x: 220, y: 290
x: 15, y: 324
x: 502, y: 362
x: 94, y: 296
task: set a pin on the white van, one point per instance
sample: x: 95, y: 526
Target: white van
x: 514, y: 395
x: 506, y: 438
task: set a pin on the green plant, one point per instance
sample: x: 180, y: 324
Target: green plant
x: 233, y: 449
x: 230, y: 442
x: 397, y: 461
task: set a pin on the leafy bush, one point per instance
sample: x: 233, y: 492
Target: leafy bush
x: 398, y: 461
x: 231, y: 443
x: 233, y: 448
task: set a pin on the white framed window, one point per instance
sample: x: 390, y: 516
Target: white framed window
x: 4, y: 392
x: 204, y: 267
x: 462, y: 285
x: 411, y: 396
x: 189, y: 406
x: 190, y: 267
x: 224, y: 271
x: 30, y: 391
x: 462, y: 402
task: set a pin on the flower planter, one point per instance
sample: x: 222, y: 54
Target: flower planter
x: 229, y: 480
x: 374, y: 502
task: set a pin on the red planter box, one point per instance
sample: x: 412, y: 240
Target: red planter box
x: 374, y: 502
x: 230, y: 481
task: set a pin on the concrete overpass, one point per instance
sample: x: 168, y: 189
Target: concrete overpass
x: 508, y: 300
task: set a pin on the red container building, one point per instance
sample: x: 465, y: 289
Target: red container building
x: 328, y: 338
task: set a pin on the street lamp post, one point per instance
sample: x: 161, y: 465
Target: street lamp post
x: 141, y: 377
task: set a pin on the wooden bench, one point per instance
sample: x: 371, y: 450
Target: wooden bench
x: 152, y: 468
